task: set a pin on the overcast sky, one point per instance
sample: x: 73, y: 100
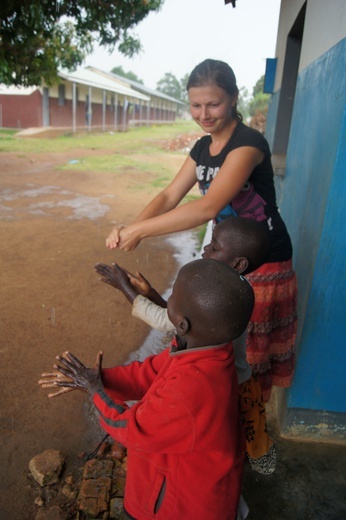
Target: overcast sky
x: 185, y: 32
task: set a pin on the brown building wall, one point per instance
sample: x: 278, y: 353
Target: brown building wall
x: 21, y: 111
x: 61, y: 115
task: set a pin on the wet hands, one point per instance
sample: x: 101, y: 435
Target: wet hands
x: 71, y: 374
x: 53, y: 380
x: 114, y: 275
x: 123, y: 237
x: 113, y: 239
x: 129, y: 284
x: 140, y: 283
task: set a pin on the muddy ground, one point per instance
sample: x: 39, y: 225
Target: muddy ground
x: 53, y: 225
x: 53, y: 229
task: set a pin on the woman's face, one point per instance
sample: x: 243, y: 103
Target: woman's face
x: 211, y: 107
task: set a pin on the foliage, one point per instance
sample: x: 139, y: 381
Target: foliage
x: 258, y: 88
x: 260, y: 100
x: 130, y: 75
x: 183, y: 93
x: 169, y: 85
x: 37, y: 37
x: 243, y: 102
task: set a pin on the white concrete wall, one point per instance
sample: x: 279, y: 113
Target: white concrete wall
x: 320, y: 32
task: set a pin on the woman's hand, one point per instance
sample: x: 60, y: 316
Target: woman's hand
x: 129, y: 237
x: 113, y: 238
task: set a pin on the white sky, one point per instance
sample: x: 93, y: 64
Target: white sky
x: 185, y: 32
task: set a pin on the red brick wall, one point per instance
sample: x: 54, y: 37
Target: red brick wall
x: 21, y: 111
x: 62, y: 115
x: 26, y: 112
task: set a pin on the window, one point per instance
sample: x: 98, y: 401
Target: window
x: 61, y: 99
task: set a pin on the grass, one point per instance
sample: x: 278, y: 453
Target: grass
x: 138, y: 151
x: 136, y: 140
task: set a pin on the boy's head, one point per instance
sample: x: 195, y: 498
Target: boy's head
x: 239, y: 242
x: 210, y: 303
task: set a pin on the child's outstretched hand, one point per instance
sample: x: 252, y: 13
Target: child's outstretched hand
x: 50, y: 379
x: 113, y: 275
x: 143, y: 287
x: 119, y: 278
x: 140, y: 283
x: 71, y: 374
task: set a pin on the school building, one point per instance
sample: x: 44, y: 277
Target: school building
x: 88, y: 99
x: 306, y: 130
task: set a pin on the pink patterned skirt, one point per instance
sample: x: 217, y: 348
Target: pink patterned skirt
x: 272, y: 328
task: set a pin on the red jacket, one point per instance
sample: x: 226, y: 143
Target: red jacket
x: 183, y: 437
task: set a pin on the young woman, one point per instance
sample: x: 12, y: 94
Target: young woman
x: 232, y: 165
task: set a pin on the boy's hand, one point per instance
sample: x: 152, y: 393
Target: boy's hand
x: 140, y: 283
x: 118, y: 278
x: 113, y: 275
x: 71, y: 374
x: 49, y: 380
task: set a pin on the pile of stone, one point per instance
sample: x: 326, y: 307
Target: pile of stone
x: 97, y: 495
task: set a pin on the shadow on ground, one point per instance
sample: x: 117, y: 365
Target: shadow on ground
x: 309, y: 482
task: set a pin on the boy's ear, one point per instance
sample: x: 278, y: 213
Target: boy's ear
x: 240, y: 264
x: 183, y: 327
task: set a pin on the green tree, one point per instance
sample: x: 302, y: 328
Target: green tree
x: 258, y: 88
x: 37, y: 37
x: 130, y: 75
x: 260, y: 100
x: 243, y: 102
x: 169, y: 85
x: 183, y: 92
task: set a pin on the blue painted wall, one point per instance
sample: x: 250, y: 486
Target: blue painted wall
x: 313, y: 204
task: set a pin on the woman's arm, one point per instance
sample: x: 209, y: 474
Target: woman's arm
x: 231, y: 177
x: 165, y: 201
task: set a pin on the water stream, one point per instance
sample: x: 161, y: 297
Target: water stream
x: 186, y: 249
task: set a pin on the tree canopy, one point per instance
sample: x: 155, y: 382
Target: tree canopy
x: 171, y: 86
x: 38, y: 37
x: 129, y: 74
x: 260, y: 100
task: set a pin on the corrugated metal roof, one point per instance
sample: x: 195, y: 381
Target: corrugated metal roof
x: 138, y: 86
x: 92, y: 79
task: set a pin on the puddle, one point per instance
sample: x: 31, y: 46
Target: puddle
x: 186, y: 249
x: 82, y: 206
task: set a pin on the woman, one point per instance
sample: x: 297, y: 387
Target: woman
x: 232, y: 165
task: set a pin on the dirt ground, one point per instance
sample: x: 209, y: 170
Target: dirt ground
x: 53, y: 229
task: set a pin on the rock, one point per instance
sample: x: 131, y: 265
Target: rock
x: 47, y: 467
x: 69, y: 493
x: 69, y: 480
x: 117, y: 451
x: 119, y: 486
x: 96, y: 468
x: 116, y: 510
x: 53, y: 513
x: 94, y: 496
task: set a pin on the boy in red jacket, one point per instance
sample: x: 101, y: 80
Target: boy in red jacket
x: 244, y: 245
x: 183, y: 436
